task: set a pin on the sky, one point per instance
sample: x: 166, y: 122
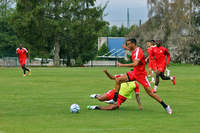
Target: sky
x: 117, y: 11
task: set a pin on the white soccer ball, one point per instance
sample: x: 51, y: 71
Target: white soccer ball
x: 74, y: 108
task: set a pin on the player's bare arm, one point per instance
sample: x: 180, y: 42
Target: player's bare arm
x: 134, y: 64
x: 138, y: 101
x: 125, y: 47
x: 109, y: 75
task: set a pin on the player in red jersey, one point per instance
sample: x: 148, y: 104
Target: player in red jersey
x: 139, y: 73
x: 22, y: 58
x: 152, y: 61
x: 160, y: 53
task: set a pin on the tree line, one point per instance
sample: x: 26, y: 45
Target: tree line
x: 69, y: 29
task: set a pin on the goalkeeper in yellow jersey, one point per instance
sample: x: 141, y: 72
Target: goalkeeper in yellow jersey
x: 126, y: 92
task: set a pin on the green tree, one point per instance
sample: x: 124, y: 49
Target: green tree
x: 103, y: 50
x: 171, y: 21
x: 114, y: 31
x: 8, y: 38
x: 65, y: 26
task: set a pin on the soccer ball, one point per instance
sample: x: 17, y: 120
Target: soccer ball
x: 74, y: 108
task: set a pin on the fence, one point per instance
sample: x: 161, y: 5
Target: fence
x: 14, y: 61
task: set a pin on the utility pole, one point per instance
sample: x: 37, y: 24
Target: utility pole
x: 140, y: 22
x: 128, y: 20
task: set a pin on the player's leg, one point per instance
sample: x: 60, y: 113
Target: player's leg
x: 157, y: 98
x: 172, y: 78
x: 102, y: 97
x: 105, y: 97
x: 109, y: 96
x: 108, y: 107
x: 163, y: 77
x: 24, y: 70
x: 151, y: 74
x: 157, y: 81
x: 145, y: 83
x: 168, y: 71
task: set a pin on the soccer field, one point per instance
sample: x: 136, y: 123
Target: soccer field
x: 40, y: 103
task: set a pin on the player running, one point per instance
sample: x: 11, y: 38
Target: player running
x: 160, y: 53
x: 22, y: 58
x: 125, y: 92
x: 139, y: 73
x: 152, y: 63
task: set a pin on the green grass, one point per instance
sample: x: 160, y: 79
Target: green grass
x: 40, y: 103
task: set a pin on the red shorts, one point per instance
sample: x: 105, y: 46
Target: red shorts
x: 152, y: 65
x: 137, y: 90
x: 142, y: 79
x: 22, y: 62
x: 161, y: 68
x: 120, y: 99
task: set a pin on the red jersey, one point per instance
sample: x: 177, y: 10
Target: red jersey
x: 150, y: 50
x: 160, y: 54
x: 140, y: 68
x: 22, y: 53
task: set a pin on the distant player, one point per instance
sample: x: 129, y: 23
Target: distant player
x: 125, y: 92
x: 139, y: 73
x: 22, y: 58
x: 160, y: 53
x: 152, y: 61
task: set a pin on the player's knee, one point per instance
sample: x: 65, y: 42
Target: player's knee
x: 149, y: 92
x: 113, y: 107
x: 100, y: 98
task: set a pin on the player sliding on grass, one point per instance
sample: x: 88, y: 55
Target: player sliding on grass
x: 125, y: 92
x: 160, y: 53
x: 139, y: 73
x: 22, y: 58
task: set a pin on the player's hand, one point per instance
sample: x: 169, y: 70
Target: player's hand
x: 124, y: 46
x: 140, y: 107
x: 105, y: 71
x: 119, y: 64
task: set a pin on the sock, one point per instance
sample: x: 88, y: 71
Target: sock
x: 97, y: 107
x: 155, y: 87
x: 171, y: 78
x: 115, y: 96
x: 163, y: 104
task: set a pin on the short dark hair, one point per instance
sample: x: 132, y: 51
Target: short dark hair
x: 159, y: 42
x: 153, y: 41
x: 20, y: 45
x: 133, y: 40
